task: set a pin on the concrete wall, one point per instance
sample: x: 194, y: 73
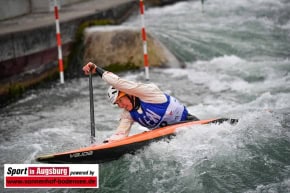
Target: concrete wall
x: 29, y: 56
x: 24, y: 43
x: 42, y: 5
x: 13, y: 8
x: 48, y: 5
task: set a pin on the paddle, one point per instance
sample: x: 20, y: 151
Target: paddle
x: 92, y: 115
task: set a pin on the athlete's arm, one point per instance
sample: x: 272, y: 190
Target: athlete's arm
x: 146, y: 92
x: 124, y: 127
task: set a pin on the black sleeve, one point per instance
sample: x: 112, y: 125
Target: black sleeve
x: 100, y: 71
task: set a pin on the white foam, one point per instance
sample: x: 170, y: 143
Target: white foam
x: 197, y: 144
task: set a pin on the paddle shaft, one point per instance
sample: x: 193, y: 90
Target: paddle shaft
x: 92, y: 113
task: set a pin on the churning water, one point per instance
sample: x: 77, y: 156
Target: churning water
x: 237, y: 58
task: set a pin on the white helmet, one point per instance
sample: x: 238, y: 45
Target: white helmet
x: 112, y: 94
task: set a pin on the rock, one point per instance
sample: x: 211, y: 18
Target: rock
x: 123, y: 46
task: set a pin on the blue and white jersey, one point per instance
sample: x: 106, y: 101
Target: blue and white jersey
x: 157, y: 109
x: 158, y: 115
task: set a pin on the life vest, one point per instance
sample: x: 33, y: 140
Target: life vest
x: 153, y: 115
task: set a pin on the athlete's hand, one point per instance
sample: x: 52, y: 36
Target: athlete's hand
x: 90, y: 67
x: 108, y: 141
x: 115, y: 137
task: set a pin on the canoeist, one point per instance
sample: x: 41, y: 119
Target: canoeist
x: 142, y: 103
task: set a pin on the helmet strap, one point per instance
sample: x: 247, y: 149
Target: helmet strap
x: 135, y: 101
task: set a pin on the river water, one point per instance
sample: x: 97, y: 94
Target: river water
x: 237, y: 58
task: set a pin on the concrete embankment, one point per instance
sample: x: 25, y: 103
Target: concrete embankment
x: 28, y: 44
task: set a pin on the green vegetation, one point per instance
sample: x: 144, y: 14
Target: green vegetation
x: 10, y: 92
x: 16, y: 90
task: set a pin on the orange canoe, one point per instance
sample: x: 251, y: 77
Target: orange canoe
x: 114, y: 150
